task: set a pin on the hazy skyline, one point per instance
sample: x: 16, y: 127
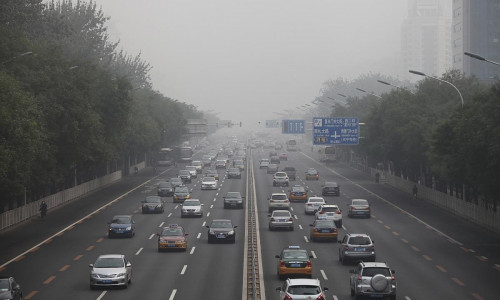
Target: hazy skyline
x: 248, y: 59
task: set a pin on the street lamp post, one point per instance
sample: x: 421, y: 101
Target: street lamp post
x: 361, y: 90
x: 342, y: 95
x: 393, y: 85
x: 438, y: 79
x: 479, y: 57
x: 20, y: 55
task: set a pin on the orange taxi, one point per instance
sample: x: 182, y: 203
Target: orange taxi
x: 297, y: 192
x: 172, y: 237
x: 323, y: 230
x: 312, y: 174
x: 294, y: 261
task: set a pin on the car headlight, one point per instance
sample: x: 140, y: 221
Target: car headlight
x: 231, y: 232
x: 121, y: 274
x: 211, y: 232
x: 94, y: 275
x: 129, y: 228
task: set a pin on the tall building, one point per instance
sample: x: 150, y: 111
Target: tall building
x: 476, y: 29
x: 426, y: 38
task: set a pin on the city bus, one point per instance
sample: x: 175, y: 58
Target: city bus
x: 183, y: 154
x: 165, y: 157
x: 328, y: 154
x: 291, y: 145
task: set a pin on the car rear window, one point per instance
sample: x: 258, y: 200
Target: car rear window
x: 281, y: 214
x: 359, y: 202
x: 304, y: 290
x: 330, y: 209
x: 279, y: 197
x: 374, y: 271
x: 359, y: 240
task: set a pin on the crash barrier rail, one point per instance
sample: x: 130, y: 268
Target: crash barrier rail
x: 30, y: 210
x: 481, y: 213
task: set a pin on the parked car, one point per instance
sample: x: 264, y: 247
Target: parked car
x: 359, y: 208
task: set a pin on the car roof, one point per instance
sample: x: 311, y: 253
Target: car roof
x: 316, y: 198
x: 374, y: 264
x: 331, y: 183
x: 111, y: 256
x: 330, y: 205
x: 278, y: 194
x: 303, y: 281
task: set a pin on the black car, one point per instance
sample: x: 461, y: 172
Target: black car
x: 234, y: 173
x: 330, y: 189
x: 221, y: 230
x: 185, y: 176
x: 165, y: 189
x: 275, y: 159
x: 10, y: 289
x: 152, y: 204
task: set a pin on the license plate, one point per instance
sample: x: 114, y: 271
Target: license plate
x: 295, y: 265
x: 282, y: 220
x: 325, y: 231
x: 171, y: 245
x: 360, y: 212
x: 106, y: 281
x: 359, y: 249
x: 221, y: 236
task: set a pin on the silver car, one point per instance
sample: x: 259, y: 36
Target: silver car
x: 302, y: 289
x: 278, y: 201
x: 110, y: 270
x: 281, y: 219
x: 356, y: 247
x: 192, y: 208
x: 313, y: 204
x: 373, y: 279
x: 359, y: 207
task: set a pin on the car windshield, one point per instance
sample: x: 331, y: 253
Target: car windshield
x: 300, y: 254
x: 153, y: 200
x: 374, y: 271
x: 109, y: 262
x: 164, y: 185
x: 233, y: 195
x: 281, y: 214
x: 359, y: 202
x: 324, y: 224
x: 184, y: 172
x: 175, y: 179
x: 191, y: 203
x: 280, y: 174
x: 278, y: 197
x: 191, y: 168
x: 359, y: 240
x: 121, y: 220
x: 172, y: 232
x: 221, y: 224
x: 234, y: 170
x: 304, y: 290
x: 4, y: 285
x: 182, y: 189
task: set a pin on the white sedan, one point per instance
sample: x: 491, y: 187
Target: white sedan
x: 313, y: 204
x: 209, y: 183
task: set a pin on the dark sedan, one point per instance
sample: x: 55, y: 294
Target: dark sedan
x: 121, y: 225
x: 221, y: 230
x: 152, y: 204
x: 165, y: 189
x: 330, y: 189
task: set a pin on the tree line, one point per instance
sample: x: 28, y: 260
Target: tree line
x: 73, y: 106
x: 424, y: 134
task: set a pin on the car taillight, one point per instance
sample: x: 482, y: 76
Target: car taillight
x: 309, y: 204
x: 346, y: 248
x: 282, y: 264
x: 393, y: 278
x: 360, y: 277
x: 320, y: 297
x: 290, y: 219
x: 287, y: 297
x: 308, y: 264
x: 338, y: 212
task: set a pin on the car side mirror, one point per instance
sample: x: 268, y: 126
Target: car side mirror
x: 235, y: 226
x: 207, y: 226
x: 202, y: 204
x: 242, y: 197
x: 325, y: 289
x: 143, y: 201
x: 311, y: 225
x: 91, y: 265
x: 310, y: 256
x: 186, y: 234
x: 17, y: 287
x: 133, y: 222
x: 109, y: 222
x: 393, y: 271
x: 128, y: 265
x: 340, y: 242
x: 277, y: 256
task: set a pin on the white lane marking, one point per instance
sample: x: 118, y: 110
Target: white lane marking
x: 335, y: 297
x: 208, y: 214
x: 313, y: 254
x: 212, y: 206
x: 305, y: 238
x: 407, y: 298
x: 101, y: 295
x: 139, y: 251
x: 151, y: 236
x: 199, y: 234
x: 204, y: 223
x: 300, y: 226
x: 172, y: 295
x: 324, y: 275
x: 291, y: 208
x: 177, y: 205
x: 184, y: 269
x: 295, y: 216
x: 216, y: 194
x: 169, y: 215
x: 215, y: 199
x: 192, y: 250
x: 161, y: 224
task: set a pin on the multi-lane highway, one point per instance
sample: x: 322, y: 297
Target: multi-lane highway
x: 435, y: 255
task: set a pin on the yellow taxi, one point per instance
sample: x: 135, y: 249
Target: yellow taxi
x: 312, y: 174
x: 297, y: 192
x: 294, y: 261
x: 172, y: 237
x: 323, y: 230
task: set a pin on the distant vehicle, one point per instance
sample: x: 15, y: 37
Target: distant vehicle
x: 283, y: 156
x: 185, y: 176
x: 165, y: 157
x: 234, y: 173
x: 291, y: 145
x: 359, y: 208
x: 209, y: 183
x: 302, y: 288
x: 220, y: 164
x: 280, y: 179
x: 193, y: 170
x: 238, y: 163
x: 221, y: 230
x: 278, y: 201
x: 264, y: 164
x: 121, y: 225
x: 312, y: 174
x: 192, y: 208
x: 275, y: 159
x: 281, y: 219
x: 330, y: 188
x: 198, y: 164
x: 165, y: 189
x: 328, y: 154
x: 212, y: 173
x: 183, y: 154
x: 291, y: 172
x: 172, y: 237
x: 175, y: 182
x: 272, y: 168
x: 10, y: 289
x: 152, y: 204
x: 298, y: 192
x: 110, y: 270
x: 313, y: 204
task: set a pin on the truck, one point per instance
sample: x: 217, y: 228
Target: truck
x: 291, y: 172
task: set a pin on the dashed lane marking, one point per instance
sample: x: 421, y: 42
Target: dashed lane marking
x: 496, y: 267
x: 305, y: 238
x: 426, y: 257
x: 477, y: 296
x: 100, y: 240
x: 64, y: 268
x: 458, y: 281
x: 482, y: 258
x: 387, y: 227
x: 324, y: 275
x: 89, y: 248
x: 442, y: 269
x: 300, y: 227
x: 192, y: 250
x: 313, y: 254
x: 415, y: 248
x: 208, y: 214
x: 395, y: 233
x: 31, y: 294
x: 101, y: 295
x: 183, y: 270
x: 77, y: 257
x: 172, y: 295
x: 161, y: 224
x: 169, y: 215
x: 199, y: 235
x: 151, y: 236
x: 49, y: 280
x: 139, y: 251
x: 404, y: 241
x: 35, y: 249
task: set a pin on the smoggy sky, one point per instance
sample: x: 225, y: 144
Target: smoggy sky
x: 249, y: 59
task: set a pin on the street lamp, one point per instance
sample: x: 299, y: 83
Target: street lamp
x: 481, y: 58
x: 20, y: 55
x: 342, y: 95
x: 438, y: 79
x: 361, y: 90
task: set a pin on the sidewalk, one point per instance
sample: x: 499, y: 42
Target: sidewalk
x: 20, y: 238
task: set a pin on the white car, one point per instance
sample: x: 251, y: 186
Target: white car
x: 280, y: 179
x: 278, y: 201
x: 191, y: 208
x: 193, y: 171
x: 330, y: 212
x: 264, y: 164
x: 313, y: 204
x: 198, y: 164
x: 281, y: 219
x: 110, y: 270
x: 302, y: 288
x: 209, y: 183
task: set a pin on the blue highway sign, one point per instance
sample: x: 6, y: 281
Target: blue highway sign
x: 335, y: 131
x: 293, y: 127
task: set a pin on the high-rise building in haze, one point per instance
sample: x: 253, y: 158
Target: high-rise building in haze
x: 426, y: 38
x: 476, y: 29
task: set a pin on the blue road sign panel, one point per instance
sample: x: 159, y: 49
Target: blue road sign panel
x: 293, y: 126
x: 336, y: 131
x: 272, y: 124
